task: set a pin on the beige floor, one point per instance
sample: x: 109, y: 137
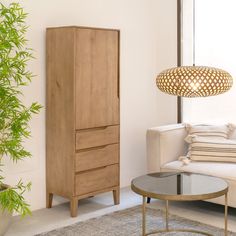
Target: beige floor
x: 48, y: 219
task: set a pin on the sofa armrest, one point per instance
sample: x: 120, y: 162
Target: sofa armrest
x: 164, y: 144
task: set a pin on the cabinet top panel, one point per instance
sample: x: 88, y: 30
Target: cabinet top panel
x: 81, y: 27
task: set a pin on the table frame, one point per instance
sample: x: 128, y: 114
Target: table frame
x: 167, y: 229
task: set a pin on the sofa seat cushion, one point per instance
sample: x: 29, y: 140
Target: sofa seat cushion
x: 218, y: 169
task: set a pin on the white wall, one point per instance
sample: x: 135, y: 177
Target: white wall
x: 148, y: 45
x: 187, y: 33
x: 215, y: 46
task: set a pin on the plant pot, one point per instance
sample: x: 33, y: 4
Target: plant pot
x: 5, y: 218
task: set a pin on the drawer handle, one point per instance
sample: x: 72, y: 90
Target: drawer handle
x: 93, y: 129
x: 101, y: 147
x: 101, y: 128
x: 92, y: 148
x: 98, y: 168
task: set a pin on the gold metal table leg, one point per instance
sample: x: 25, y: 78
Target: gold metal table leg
x: 167, y: 215
x: 144, y: 215
x: 226, y: 214
x: 167, y: 229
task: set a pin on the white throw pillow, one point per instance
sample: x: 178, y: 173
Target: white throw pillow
x: 219, y: 131
x: 211, y: 149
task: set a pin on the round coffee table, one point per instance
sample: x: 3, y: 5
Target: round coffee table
x: 179, y: 186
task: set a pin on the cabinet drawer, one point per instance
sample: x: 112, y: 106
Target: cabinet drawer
x: 97, y: 157
x: 98, y: 179
x: 97, y: 137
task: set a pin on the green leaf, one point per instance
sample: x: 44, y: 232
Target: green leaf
x: 14, y: 114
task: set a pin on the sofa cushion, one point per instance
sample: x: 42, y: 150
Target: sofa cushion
x: 206, y: 130
x: 218, y: 169
x: 211, y: 149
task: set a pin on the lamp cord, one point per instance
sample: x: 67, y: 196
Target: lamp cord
x: 194, y: 32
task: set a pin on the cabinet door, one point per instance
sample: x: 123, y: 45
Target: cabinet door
x: 97, y: 78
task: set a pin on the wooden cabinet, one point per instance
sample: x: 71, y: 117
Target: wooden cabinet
x: 82, y: 113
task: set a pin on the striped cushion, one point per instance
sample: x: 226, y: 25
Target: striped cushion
x: 220, y: 131
x: 212, y: 149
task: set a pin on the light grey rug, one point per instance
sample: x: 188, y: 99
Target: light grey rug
x: 128, y: 223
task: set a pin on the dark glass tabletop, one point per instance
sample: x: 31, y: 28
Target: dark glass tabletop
x: 180, y: 186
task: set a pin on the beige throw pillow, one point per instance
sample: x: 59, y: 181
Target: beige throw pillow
x: 219, y: 131
x: 211, y: 149
x: 207, y: 134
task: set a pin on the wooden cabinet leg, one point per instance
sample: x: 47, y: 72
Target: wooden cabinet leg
x: 49, y: 198
x: 73, y: 207
x: 116, y: 196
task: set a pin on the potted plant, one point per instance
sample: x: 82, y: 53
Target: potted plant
x: 14, y: 115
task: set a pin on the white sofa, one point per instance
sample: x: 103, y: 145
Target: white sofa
x: 165, y: 144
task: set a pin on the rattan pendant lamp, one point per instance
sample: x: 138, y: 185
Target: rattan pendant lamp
x: 193, y: 81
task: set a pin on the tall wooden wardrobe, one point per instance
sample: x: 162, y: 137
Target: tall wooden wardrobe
x: 82, y: 113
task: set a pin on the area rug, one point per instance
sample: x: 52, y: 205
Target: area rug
x: 128, y: 223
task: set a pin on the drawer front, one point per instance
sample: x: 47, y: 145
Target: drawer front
x: 97, y: 137
x: 98, y: 179
x: 97, y: 157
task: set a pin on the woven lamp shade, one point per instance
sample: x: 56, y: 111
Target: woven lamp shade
x: 194, y: 81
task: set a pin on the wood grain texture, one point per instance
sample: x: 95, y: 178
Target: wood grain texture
x: 93, y: 180
x: 97, y: 66
x: 97, y: 137
x: 82, y: 113
x: 84, y: 27
x: 97, y: 157
x: 60, y: 129
x: 104, y: 190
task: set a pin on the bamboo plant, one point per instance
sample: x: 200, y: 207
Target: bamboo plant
x: 14, y: 115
